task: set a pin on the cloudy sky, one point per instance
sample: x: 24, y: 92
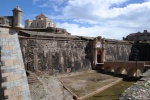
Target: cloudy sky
x: 107, y: 18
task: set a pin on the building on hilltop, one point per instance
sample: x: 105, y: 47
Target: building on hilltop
x: 145, y: 36
x: 41, y: 21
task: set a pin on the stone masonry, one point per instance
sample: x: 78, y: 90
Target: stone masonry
x: 13, y: 80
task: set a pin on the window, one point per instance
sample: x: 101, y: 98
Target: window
x: 49, y: 24
x: 31, y: 25
x: 37, y: 25
x: 43, y: 25
x: 15, y: 14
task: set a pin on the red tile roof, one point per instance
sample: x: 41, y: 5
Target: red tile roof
x: 41, y: 16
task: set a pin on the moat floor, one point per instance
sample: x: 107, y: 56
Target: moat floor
x: 79, y: 84
x: 86, y: 82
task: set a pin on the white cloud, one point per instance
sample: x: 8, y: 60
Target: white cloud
x: 105, y: 32
x: 35, y: 1
x: 109, y: 18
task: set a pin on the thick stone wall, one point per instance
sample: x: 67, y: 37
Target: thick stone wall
x: 117, y: 51
x: 56, y: 55
x: 13, y: 80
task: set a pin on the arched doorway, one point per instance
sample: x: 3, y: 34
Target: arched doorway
x: 99, y: 56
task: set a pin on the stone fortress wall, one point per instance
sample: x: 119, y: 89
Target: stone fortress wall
x: 51, y: 55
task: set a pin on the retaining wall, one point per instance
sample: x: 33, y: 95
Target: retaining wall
x: 13, y: 79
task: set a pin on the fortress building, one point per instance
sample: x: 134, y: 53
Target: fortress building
x: 41, y: 21
x: 144, y: 36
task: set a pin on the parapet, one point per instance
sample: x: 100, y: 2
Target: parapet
x: 6, y: 20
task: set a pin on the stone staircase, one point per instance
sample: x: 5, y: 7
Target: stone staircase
x: 32, y: 77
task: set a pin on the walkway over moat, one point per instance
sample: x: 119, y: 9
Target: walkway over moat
x: 129, y: 68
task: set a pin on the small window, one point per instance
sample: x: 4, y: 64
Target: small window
x: 42, y: 25
x: 49, y: 24
x: 15, y: 14
x: 37, y: 25
x: 31, y: 24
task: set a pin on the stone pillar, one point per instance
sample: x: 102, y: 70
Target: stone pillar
x: 94, y: 54
x: 61, y: 62
x: 103, y: 49
x: 35, y: 61
x: 14, y: 80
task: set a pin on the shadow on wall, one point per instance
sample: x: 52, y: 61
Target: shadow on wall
x: 1, y: 89
x: 140, y: 51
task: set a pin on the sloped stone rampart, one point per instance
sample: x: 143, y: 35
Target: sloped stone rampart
x: 13, y: 79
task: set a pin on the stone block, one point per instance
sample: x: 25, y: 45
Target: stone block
x: 8, y: 69
x: 6, y: 53
x: 17, y: 77
x: 11, y: 97
x: 15, y: 62
x: 5, y: 36
x: 8, y: 85
x: 7, y: 74
x: 8, y: 47
x: 17, y: 91
x: 8, y: 91
x: 11, y: 57
x: 8, y: 63
x: 21, y: 82
x: 3, y: 42
x: 19, y: 97
x: 4, y: 29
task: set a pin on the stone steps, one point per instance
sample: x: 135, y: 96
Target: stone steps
x: 32, y: 77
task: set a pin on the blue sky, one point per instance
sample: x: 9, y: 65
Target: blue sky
x: 107, y: 18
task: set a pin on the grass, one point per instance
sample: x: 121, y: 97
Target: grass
x: 113, y: 92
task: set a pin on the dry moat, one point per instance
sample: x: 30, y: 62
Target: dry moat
x: 82, y: 85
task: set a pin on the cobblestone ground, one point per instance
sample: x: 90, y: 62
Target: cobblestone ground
x: 140, y: 90
x: 49, y: 88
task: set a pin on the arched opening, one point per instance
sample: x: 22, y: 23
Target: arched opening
x: 108, y: 69
x: 133, y: 73
x: 120, y: 70
x: 99, y: 56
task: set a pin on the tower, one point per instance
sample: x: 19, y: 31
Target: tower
x: 17, y: 17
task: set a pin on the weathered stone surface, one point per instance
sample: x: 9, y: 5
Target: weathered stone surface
x: 12, y: 72
x: 55, y: 56
x: 117, y: 51
x: 6, y: 20
x: 139, y: 91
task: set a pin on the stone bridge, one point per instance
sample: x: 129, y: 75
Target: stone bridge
x: 129, y: 68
